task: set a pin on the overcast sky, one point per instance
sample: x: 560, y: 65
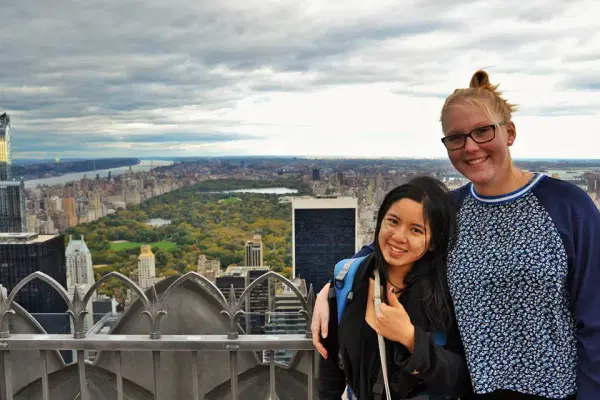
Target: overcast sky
x: 284, y: 77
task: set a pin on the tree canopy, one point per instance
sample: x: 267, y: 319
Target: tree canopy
x: 203, y: 221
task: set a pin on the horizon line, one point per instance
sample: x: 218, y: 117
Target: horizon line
x: 290, y: 156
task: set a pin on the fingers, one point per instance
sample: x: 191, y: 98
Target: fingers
x: 324, y: 324
x: 386, y: 315
x: 394, y: 312
x: 379, y: 324
x: 385, y: 320
x: 322, y: 308
x: 381, y: 316
x: 320, y: 325
x: 320, y: 319
x: 394, y: 302
x: 319, y: 347
x: 384, y: 308
x: 316, y: 328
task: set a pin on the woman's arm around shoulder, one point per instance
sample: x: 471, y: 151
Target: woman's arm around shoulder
x: 331, y: 379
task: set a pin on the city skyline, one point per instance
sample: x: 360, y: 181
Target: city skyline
x: 296, y: 78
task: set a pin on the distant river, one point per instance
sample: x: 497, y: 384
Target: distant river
x: 144, y: 165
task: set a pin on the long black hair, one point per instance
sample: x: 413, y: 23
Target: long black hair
x: 430, y: 270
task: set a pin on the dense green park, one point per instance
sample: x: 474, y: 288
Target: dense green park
x: 202, y: 222
x: 125, y: 245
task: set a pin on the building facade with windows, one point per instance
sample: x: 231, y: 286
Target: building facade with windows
x: 324, y: 232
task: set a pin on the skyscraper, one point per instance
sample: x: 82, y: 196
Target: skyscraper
x: 80, y: 274
x: 79, y: 263
x: 258, y: 303
x: 146, y: 268
x: 69, y: 206
x: 22, y: 254
x: 13, y: 213
x: 324, y: 232
x: 254, y: 252
x: 209, y: 268
x: 5, y: 154
x: 316, y: 174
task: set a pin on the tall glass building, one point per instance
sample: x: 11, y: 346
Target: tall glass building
x: 22, y: 254
x: 5, y: 155
x: 254, y: 252
x: 13, y: 213
x: 324, y: 232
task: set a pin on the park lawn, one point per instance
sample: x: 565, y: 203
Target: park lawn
x: 166, y: 245
x: 231, y: 200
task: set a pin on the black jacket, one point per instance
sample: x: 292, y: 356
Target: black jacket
x: 441, y: 370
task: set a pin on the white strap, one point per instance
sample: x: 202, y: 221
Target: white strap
x: 382, y: 356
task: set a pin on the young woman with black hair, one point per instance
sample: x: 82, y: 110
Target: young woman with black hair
x: 412, y: 237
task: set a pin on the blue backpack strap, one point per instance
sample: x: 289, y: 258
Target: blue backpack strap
x: 440, y: 338
x: 344, y: 273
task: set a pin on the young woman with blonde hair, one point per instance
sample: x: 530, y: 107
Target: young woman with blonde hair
x: 525, y: 271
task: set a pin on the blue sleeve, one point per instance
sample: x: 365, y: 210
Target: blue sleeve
x: 578, y: 220
x: 458, y: 195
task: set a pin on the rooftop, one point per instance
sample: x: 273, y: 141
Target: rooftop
x: 24, y: 238
x: 165, y: 346
x: 14, y: 182
x: 308, y: 202
x: 4, y: 119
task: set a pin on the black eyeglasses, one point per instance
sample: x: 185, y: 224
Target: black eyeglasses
x: 480, y: 135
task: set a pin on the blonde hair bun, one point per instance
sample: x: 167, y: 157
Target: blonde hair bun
x: 485, y: 95
x: 481, y: 80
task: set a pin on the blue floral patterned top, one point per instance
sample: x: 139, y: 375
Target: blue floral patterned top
x: 508, y: 279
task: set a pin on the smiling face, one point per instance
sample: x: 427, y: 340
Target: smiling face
x: 486, y: 163
x: 404, y: 235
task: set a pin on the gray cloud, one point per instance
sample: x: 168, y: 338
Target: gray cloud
x: 560, y: 111
x: 585, y: 82
x: 74, y: 73
x: 54, y: 142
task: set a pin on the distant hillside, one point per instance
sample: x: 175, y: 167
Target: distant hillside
x: 25, y: 161
x: 43, y: 170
